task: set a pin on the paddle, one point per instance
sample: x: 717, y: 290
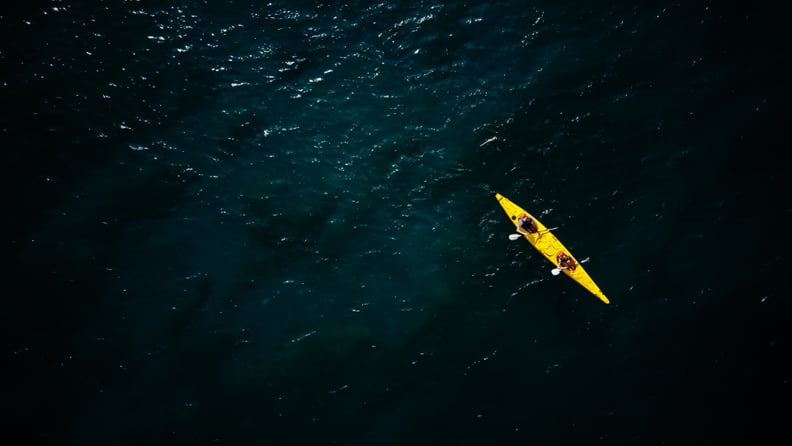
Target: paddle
x: 518, y: 235
x: 557, y: 271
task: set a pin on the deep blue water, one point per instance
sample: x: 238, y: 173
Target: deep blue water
x: 275, y: 223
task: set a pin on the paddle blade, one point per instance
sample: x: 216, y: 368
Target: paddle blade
x: 556, y: 271
x: 514, y: 236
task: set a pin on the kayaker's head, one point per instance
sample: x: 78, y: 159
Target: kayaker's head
x: 523, y: 217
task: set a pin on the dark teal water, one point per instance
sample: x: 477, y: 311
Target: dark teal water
x: 275, y: 223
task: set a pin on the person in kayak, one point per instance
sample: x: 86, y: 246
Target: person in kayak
x: 526, y: 225
x: 566, y: 262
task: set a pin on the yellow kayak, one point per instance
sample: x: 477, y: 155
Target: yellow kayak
x: 549, y: 246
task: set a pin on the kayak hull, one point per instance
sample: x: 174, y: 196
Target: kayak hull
x: 549, y: 246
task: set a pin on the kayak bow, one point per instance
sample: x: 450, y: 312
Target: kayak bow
x: 549, y: 246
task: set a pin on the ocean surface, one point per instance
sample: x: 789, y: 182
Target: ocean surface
x: 274, y: 223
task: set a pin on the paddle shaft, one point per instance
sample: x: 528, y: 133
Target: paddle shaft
x: 557, y: 271
x: 520, y: 234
